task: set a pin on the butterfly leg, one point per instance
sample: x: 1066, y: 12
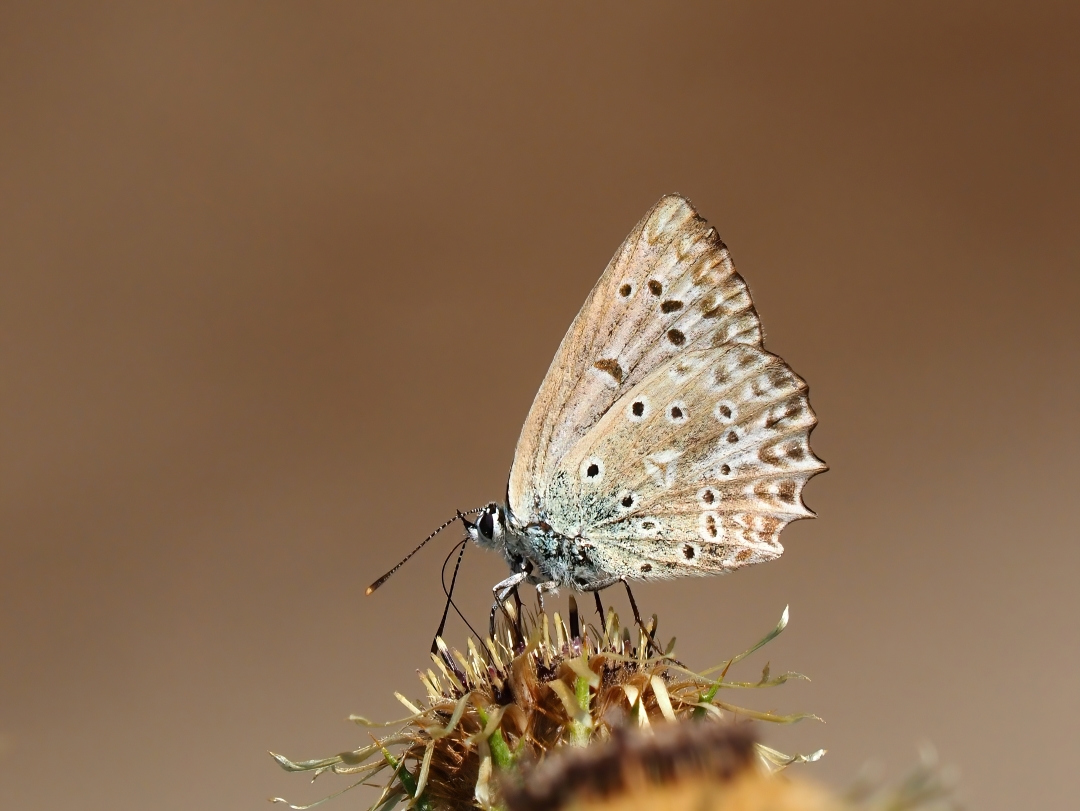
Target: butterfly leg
x: 553, y: 587
x: 637, y: 618
x: 520, y: 614
x: 513, y: 616
x: 502, y: 590
x: 599, y: 607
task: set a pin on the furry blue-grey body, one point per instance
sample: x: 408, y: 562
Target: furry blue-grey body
x: 547, y: 558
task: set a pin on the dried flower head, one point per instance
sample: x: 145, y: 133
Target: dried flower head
x: 692, y: 766
x: 631, y: 762
x: 541, y: 685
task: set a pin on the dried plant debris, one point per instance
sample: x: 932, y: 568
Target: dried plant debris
x: 542, y: 685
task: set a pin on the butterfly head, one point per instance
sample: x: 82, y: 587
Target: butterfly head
x: 489, y: 531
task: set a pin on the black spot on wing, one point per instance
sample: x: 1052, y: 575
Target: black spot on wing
x: 610, y: 366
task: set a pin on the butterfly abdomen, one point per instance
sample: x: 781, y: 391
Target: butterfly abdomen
x: 554, y: 558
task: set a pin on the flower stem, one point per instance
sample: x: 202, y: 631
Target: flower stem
x: 579, y: 732
x: 408, y: 781
x: 500, y: 750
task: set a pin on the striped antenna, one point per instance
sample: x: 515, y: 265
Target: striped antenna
x: 405, y: 560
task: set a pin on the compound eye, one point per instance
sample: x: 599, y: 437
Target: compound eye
x: 486, y: 525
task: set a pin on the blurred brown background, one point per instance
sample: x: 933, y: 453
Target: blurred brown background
x: 279, y: 282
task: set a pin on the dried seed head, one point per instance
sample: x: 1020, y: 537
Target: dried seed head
x: 633, y: 760
x: 541, y: 686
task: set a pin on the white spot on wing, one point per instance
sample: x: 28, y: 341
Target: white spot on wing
x: 646, y: 409
x: 709, y: 526
x: 661, y: 467
x: 676, y: 413
x: 592, y: 470
x: 725, y: 412
x: 648, y: 526
x: 683, y: 369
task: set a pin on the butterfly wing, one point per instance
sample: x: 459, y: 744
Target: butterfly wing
x: 696, y: 470
x: 670, y: 289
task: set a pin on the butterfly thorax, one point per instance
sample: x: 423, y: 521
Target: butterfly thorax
x: 545, y: 555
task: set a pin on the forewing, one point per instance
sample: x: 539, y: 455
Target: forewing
x: 696, y: 470
x: 671, y: 289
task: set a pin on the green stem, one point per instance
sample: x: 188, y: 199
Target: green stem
x: 408, y: 780
x: 579, y: 732
x: 707, y: 696
x: 500, y: 750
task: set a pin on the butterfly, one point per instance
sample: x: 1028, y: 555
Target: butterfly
x: 664, y: 440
